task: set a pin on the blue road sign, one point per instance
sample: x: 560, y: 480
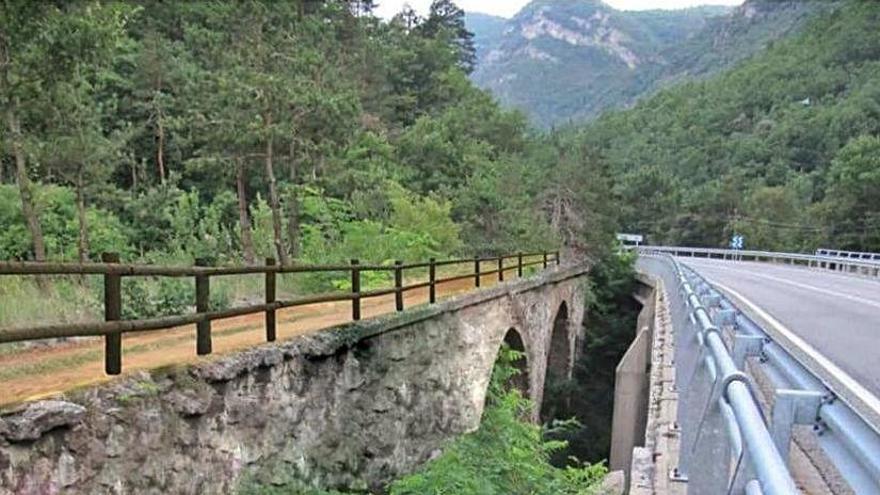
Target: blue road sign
x: 737, y: 242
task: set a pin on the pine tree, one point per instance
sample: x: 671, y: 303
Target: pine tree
x: 446, y: 21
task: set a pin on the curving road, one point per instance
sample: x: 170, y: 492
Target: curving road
x: 837, y: 315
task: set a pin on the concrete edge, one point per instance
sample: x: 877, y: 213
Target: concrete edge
x: 653, y: 463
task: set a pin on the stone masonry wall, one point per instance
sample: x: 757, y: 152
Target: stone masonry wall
x: 355, y: 407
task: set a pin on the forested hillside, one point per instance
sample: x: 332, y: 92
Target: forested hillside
x: 783, y: 149
x: 487, y: 30
x: 306, y: 131
x: 563, y: 61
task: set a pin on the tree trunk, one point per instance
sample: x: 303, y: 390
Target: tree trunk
x: 83, y: 246
x: 293, y: 223
x: 291, y: 169
x: 24, y: 186
x: 247, y: 241
x: 274, y: 203
x: 293, y: 209
x: 160, y: 148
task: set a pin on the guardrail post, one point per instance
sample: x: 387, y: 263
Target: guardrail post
x: 792, y: 407
x: 545, y: 260
x: 501, y: 268
x: 558, y: 259
x: 432, y: 281
x: 477, y: 271
x: 355, y: 290
x: 270, y: 298
x: 398, y: 285
x: 112, y: 312
x: 519, y: 263
x: 203, y: 297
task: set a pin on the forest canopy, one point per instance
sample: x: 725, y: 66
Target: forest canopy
x: 299, y: 130
x: 317, y: 132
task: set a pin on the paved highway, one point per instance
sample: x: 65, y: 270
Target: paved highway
x: 837, y: 315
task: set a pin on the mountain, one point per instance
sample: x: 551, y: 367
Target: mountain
x: 746, y: 30
x: 487, y: 30
x: 569, y: 60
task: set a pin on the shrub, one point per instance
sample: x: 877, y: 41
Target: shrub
x: 506, y: 456
x: 58, y: 219
x: 147, y: 297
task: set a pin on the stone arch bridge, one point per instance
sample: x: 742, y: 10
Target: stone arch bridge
x: 353, y: 407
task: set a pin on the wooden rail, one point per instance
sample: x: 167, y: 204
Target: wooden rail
x: 113, y: 327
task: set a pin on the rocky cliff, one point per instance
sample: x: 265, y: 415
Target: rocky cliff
x: 563, y: 60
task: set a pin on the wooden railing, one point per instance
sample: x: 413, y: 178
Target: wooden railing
x: 113, y: 326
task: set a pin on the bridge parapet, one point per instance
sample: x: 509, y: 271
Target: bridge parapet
x: 114, y: 327
x: 731, y: 374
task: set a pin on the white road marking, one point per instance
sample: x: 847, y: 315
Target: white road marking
x: 850, y: 297
x: 854, y: 387
x: 831, y: 274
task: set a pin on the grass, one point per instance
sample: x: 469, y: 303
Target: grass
x: 66, y: 301
x: 144, y: 389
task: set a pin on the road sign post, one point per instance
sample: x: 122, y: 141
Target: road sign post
x: 631, y: 238
x: 737, y: 242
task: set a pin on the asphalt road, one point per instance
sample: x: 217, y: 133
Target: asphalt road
x: 838, y: 315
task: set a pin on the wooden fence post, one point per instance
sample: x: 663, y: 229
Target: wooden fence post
x: 501, y: 268
x: 545, y: 260
x: 355, y: 290
x: 270, y: 298
x: 558, y: 260
x: 519, y: 264
x: 203, y: 298
x: 477, y: 272
x: 112, y: 312
x: 432, y: 281
x: 398, y: 285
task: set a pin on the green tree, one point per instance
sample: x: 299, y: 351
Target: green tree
x: 52, y: 56
x: 446, y: 22
x: 853, y: 199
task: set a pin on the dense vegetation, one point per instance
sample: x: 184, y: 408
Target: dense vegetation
x: 508, y: 455
x: 305, y: 131
x: 783, y: 149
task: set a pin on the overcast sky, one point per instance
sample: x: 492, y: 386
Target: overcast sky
x: 507, y: 8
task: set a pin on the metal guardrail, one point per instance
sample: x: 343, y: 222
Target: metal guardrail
x: 720, y: 420
x: 114, y: 327
x: 857, y: 255
x: 842, y: 265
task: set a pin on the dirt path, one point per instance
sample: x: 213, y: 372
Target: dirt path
x: 40, y: 372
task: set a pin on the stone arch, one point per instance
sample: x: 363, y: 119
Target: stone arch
x: 559, y: 353
x: 559, y: 360
x: 514, y: 340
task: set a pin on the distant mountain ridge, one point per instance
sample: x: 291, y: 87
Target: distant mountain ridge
x: 569, y: 60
